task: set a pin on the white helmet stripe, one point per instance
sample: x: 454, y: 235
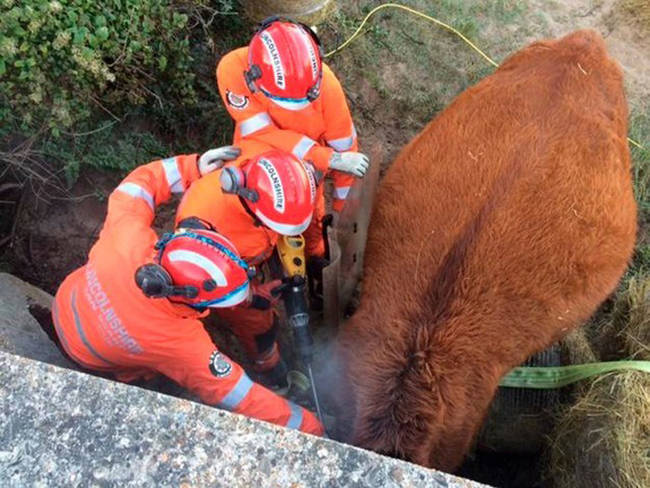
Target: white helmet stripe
x: 313, y: 61
x: 284, y: 229
x: 200, y: 261
x: 274, y: 55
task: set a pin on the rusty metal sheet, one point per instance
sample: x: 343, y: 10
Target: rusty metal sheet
x: 348, y: 242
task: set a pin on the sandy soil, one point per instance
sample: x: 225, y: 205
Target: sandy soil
x: 629, y: 45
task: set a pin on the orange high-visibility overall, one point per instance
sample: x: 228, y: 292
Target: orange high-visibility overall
x: 312, y: 133
x: 104, y: 321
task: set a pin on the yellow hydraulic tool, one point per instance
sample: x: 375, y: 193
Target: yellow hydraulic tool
x: 291, y: 250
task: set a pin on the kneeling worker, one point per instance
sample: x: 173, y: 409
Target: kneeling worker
x: 134, y: 308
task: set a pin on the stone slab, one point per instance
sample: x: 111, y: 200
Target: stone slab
x: 60, y: 427
x: 20, y: 333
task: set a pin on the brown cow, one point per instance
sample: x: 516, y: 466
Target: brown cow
x: 499, y: 228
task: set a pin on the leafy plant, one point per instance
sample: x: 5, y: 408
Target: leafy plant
x: 61, y: 60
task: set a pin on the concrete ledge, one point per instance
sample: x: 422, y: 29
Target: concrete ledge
x: 20, y: 333
x: 60, y: 427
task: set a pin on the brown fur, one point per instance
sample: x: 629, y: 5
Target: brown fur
x: 499, y: 228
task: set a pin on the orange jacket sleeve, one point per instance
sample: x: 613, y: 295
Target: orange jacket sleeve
x: 253, y: 121
x: 149, y: 185
x: 190, y: 358
x: 131, y: 206
x: 340, y: 133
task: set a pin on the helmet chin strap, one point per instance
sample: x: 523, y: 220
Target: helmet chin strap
x: 248, y: 194
x: 187, y: 291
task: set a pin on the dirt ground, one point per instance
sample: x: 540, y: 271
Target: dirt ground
x: 396, y: 77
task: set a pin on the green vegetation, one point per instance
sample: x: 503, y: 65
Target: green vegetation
x: 640, y: 131
x: 59, y: 62
x: 404, y: 69
x: 110, y: 84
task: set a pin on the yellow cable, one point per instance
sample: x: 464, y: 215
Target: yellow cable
x: 357, y: 33
x: 636, y: 144
x: 414, y: 12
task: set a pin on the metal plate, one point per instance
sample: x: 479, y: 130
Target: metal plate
x: 347, y: 242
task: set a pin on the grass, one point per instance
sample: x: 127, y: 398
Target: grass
x: 639, y: 130
x: 403, y: 70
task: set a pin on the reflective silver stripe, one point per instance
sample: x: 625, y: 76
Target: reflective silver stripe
x: 137, y: 191
x: 63, y: 340
x: 341, y: 192
x: 82, y: 334
x: 301, y: 149
x: 344, y: 143
x: 173, y: 175
x: 59, y: 329
x: 296, y: 416
x: 254, y: 123
x: 238, y: 393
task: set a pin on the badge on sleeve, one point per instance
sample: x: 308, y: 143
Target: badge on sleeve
x: 240, y: 102
x: 219, y: 365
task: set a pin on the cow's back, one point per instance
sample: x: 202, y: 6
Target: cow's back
x: 497, y: 229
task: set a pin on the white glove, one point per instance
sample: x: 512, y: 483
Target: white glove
x: 351, y: 162
x: 214, y: 159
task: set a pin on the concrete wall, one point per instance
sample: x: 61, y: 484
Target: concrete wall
x: 60, y: 427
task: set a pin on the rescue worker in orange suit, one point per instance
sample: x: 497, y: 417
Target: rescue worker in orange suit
x: 280, y: 92
x: 250, y: 201
x: 134, y: 309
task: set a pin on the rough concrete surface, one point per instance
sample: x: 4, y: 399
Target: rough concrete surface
x: 60, y: 427
x: 20, y: 333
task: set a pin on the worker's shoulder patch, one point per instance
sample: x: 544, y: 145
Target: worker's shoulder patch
x: 240, y: 102
x: 219, y: 365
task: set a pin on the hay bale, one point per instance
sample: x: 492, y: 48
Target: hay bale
x: 604, y: 438
x: 636, y: 332
x: 576, y: 348
x: 621, y: 328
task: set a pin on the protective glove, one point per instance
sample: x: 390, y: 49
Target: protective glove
x: 355, y: 163
x: 262, y: 297
x: 214, y: 159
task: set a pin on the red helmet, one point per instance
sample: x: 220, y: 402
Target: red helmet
x: 278, y: 188
x: 285, y: 63
x: 198, y: 267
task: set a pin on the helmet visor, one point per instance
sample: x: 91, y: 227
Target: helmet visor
x: 233, y: 298
x: 287, y: 103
